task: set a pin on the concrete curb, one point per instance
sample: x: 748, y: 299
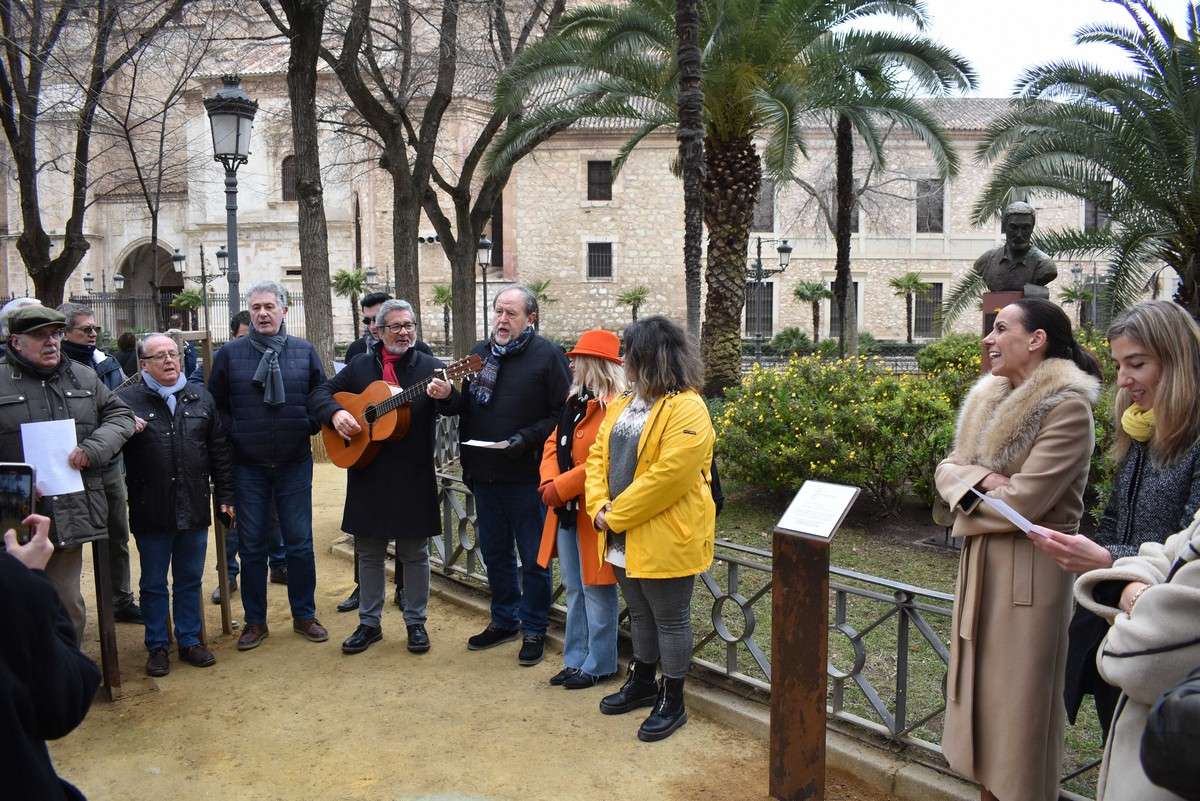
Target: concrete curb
x: 879, y: 767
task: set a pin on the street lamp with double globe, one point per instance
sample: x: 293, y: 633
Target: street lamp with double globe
x: 757, y: 274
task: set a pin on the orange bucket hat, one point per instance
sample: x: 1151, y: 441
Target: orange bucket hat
x: 599, y: 344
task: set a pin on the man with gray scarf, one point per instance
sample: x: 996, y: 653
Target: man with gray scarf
x: 261, y: 384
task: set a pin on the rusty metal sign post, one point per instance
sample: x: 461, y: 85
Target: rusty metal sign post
x: 799, y: 639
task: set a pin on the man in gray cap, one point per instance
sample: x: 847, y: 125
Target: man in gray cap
x: 36, y: 385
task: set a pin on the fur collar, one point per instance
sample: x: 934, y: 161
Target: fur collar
x: 997, y: 424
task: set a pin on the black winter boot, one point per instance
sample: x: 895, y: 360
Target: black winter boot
x: 638, y: 690
x: 668, y: 714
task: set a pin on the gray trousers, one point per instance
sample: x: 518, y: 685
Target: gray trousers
x: 118, y: 532
x: 412, y: 556
x: 660, y: 620
x: 63, y: 570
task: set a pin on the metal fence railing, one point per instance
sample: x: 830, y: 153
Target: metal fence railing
x: 117, y: 312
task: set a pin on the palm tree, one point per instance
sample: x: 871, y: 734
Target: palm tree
x: 1122, y: 141
x: 908, y: 286
x: 188, y: 301
x: 633, y: 297
x: 350, y: 284
x: 766, y: 63
x: 1080, y: 297
x: 443, y: 296
x: 541, y: 291
x: 813, y: 292
x: 691, y: 155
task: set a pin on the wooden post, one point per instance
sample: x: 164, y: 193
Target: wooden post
x: 799, y: 663
x: 110, y: 667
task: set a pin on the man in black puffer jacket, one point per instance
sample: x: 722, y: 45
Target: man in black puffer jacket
x: 261, y: 384
x: 516, y: 400
x: 179, y: 444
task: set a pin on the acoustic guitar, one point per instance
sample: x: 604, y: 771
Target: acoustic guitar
x: 383, y: 413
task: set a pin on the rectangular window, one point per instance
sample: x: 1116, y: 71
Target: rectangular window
x: 854, y: 219
x: 600, y: 179
x: 498, y: 234
x: 835, y: 317
x: 760, y: 310
x: 599, y: 261
x: 926, y: 324
x: 764, y: 207
x: 1095, y: 313
x: 1095, y: 216
x: 930, y: 203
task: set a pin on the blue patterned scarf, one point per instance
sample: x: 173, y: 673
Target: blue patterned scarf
x: 485, y: 383
x: 166, y: 393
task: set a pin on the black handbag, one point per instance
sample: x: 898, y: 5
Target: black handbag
x: 1171, y: 742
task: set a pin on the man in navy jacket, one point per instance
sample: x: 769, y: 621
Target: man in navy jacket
x: 261, y: 384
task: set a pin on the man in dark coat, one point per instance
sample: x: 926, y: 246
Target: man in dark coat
x: 395, y: 495
x: 261, y: 385
x: 180, y: 443
x: 79, y: 345
x: 517, y: 400
x: 46, y: 682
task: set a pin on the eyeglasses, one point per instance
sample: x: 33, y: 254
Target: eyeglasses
x: 90, y: 330
x: 173, y: 355
x: 44, y: 335
x: 369, y: 320
x: 396, y: 328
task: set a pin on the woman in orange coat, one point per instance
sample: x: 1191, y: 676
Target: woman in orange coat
x: 590, y: 646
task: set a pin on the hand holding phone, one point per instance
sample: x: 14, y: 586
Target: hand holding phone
x: 36, y: 553
x: 17, y: 482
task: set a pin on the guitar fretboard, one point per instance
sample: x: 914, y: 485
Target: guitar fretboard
x: 409, y: 394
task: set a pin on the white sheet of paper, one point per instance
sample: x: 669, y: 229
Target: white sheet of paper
x: 1007, y: 512
x: 481, y: 443
x: 338, y: 366
x: 818, y: 508
x: 46, y: 447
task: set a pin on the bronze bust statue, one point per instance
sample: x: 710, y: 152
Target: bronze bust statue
x: 1017, y: 266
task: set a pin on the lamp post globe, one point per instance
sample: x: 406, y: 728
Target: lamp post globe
x: 119, y: 281
x: 231, y: 115
x: 222, y: 259
x: 87, y: 282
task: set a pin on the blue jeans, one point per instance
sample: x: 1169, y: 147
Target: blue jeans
x: 183, y: 552
x: 590, y: 644
x: 287, y: 489
x: 276, y: 556
x: 508, y: 515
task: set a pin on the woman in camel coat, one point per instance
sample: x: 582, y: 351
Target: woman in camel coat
x: 590, y: 642
x: 1025, y: 435
x: 1152, y: 601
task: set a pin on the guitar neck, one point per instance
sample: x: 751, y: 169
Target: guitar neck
x: 408, y: 395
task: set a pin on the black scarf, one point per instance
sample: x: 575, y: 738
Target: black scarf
x: 84, y: 354
x: 574, y: 410
x: 268, y: 376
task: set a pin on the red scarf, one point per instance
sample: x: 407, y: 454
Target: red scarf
x: 389, y: 366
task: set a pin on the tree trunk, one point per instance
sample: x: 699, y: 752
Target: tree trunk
x: 908, y: 315
x: 842, y: 284
x: 354, y: 313
x: 634, y: 310
x: 691, y: 154
x: 406, y: 223
x: 156, y: 279
x: 731, y: 185
x: 448, y: 343
x: 462, y: 288
x: 307, y: 21
x: 816, y: 310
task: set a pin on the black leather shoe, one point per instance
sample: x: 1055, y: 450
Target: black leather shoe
x: 128, y: 613
x: 558, y: 678
x: 490, y: 637
x: 159, y: 663
x: 581, y: 680
x: 279, y: 575
x: 216, y: 593
x: 668, y: 714
x: 361, y: 639
x: 197, y: 655
x: 533, y: 647
x: 639, y: 689
x: 351, y: 602
x: 398, y: 598
x: 418, y: 638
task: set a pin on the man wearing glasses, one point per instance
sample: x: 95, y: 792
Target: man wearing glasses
x: 395, y: 495
x: 37, y: 385
x: 79, y: 345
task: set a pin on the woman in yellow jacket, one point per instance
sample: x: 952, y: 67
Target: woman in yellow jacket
x: 648, y: 491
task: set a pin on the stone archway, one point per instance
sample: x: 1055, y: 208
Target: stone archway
x: 150, y: 283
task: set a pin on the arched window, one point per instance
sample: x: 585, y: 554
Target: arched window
x: 287, y: 177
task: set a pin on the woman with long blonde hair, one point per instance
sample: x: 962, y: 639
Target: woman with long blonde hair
x: 1156, y: 489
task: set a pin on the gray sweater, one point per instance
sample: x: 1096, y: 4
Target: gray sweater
x: 1149, y: 503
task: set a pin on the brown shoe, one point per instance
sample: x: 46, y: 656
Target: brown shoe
x: 197, y: 655
x: 252, y: 636
x: 310, y: 629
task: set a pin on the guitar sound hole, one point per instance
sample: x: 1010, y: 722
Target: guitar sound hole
x: 369, y: 414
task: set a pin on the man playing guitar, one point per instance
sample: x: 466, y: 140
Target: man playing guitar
x: 394, y: 494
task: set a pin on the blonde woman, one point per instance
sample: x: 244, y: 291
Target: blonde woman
x: 590, y: 644
x: 649, y: 491
x: 1156, y: 490
x: 1025, y: 436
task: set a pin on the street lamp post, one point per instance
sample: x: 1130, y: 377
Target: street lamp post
x: 231, y: 113
x: 758, y: 274
x: 484, y: 251
x: 204, y: 279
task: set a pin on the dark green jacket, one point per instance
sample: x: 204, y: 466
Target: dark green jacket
x: 102, y: 425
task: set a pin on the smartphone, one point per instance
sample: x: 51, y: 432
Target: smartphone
x: 17, y: 481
